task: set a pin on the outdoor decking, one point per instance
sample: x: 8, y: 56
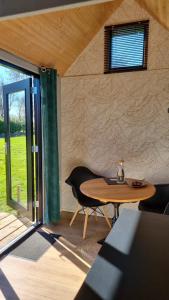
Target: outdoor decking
x: 11, y: 226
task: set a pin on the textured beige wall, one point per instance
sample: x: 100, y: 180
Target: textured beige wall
x: 121, y: 115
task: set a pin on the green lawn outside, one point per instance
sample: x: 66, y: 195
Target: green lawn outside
x: 18, y: 171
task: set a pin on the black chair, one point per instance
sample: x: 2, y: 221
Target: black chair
x: 158, y: 202
x: 166, y: 211
x: 77, y: 177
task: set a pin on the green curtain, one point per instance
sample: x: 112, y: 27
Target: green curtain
x: 48, y: 78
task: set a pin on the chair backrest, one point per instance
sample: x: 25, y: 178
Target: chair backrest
x: 76, y: 178
x: 158, y: 202
x: 166, y: 211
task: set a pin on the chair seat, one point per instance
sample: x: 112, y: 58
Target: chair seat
x: 90, y: 202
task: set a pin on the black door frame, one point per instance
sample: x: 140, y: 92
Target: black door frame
x: 38, y: 139
x: 38, y: 155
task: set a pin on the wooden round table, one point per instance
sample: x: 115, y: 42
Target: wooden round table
x: 116, y: 193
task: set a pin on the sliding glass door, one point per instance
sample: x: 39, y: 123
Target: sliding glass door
x: 20, y: 153
x: 18, y: 112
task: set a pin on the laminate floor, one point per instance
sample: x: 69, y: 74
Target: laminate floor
x: 59, y: 272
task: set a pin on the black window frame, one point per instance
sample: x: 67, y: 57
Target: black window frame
x: 108, y: 32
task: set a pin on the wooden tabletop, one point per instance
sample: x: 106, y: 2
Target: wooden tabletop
x: 100, y: 190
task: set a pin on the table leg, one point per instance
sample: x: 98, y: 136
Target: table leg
x: 114, y: 219
x: 116, y: 213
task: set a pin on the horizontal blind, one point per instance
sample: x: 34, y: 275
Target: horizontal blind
x: 126, y: 46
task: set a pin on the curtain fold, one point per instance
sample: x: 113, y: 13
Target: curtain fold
x: 48, y: 79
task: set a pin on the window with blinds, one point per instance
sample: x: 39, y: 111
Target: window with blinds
x: 126, y: 47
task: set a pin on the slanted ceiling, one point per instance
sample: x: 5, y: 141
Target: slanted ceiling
x: 159, y: 9
x: 56, y: 39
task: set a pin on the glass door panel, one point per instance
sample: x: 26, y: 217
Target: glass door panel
x: 19, y: 141
x: 17, y: 127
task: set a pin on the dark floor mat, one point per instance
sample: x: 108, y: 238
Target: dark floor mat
x: 36, y: 245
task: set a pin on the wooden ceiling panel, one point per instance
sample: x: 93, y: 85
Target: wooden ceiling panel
x: 55, y: 39
x: 159, y: 9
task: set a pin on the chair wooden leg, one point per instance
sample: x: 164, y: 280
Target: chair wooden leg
x: 95, y: 214
x: 75, y: 214
x: 85, y: 222
x: 106, y: 217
